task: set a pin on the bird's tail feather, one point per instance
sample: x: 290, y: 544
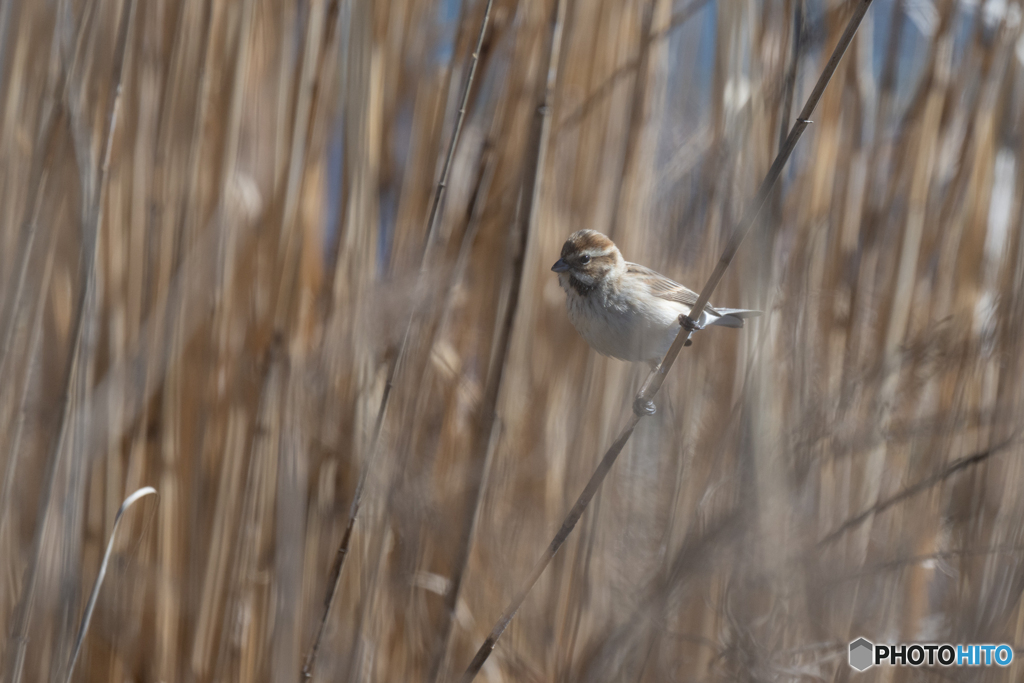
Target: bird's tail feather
x: 728, y: 317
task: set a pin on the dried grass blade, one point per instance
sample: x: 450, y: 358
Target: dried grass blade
x: 91, y: 604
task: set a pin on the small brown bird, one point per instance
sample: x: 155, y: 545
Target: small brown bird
x: 625, y: 310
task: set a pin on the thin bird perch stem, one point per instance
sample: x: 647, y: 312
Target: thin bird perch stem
x: 563, y: 533
x: 657, y: 376
x: 339, y: 559
x: 955, y: 467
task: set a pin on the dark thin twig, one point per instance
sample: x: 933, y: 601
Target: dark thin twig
x: 442, y: 184
x: 532, y: 182
x: 567, y: 526
x: 657, y: 376
x: 911, y: 491
x: 342, y: 552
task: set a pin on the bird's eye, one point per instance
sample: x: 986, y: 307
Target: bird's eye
x: 584, y: 260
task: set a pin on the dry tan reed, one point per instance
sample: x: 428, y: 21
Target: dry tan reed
x: 849, y: 465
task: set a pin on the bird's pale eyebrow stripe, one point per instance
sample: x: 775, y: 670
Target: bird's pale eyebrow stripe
x: 591, y: 252
x: 590, y: 243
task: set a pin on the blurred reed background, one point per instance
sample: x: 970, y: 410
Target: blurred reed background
x: 205, y: 293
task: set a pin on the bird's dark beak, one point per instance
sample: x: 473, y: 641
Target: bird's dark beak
x: 560, y: 266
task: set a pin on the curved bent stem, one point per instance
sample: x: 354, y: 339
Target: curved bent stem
x: 91, y: 605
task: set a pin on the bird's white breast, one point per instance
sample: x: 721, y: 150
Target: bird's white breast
x: 632, y: 326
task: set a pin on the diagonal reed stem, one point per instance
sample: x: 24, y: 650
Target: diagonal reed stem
x: 657, y: 376
x: 339, y: 559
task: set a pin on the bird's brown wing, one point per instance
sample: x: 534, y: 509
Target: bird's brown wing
x: 664, y: 288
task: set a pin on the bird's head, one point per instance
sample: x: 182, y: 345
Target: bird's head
x: 587, y: 258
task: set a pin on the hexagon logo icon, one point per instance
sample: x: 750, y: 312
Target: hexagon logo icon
x: 861, y: 651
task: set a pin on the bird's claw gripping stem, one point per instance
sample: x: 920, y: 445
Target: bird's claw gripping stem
x: 643, y: 406
x: 690, y: 325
